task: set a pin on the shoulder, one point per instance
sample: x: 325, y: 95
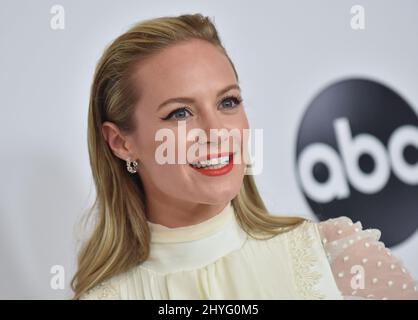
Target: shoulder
x: 303, y: 234
x: 334, y: 230
x: 304, y: 239
x: 341, y: 234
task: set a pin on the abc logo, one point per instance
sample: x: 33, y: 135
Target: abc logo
x: 357, y: 155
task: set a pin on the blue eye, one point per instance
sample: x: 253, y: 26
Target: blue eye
x: 228, y: 102
x: 231, y: 102
x: 178, y: 114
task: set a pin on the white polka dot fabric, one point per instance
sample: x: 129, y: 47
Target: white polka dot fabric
x: 362, y: 266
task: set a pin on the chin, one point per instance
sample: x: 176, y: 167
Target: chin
x: 214, y: 196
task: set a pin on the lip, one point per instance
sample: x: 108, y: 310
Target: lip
x: 219, y: 171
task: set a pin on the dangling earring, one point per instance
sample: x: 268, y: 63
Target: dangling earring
x: 131, y: 168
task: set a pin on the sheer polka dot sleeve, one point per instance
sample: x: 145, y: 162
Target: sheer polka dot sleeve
x: 362, y: 266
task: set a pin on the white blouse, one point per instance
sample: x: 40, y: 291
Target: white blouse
x: 216, y: 259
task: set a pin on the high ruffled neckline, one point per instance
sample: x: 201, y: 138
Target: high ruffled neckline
x: 163, y: 234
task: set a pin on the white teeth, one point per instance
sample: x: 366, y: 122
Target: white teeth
x: 213, y: 163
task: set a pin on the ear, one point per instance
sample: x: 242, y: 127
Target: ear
x: 117, y: 141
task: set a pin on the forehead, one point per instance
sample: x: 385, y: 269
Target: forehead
x: 188, y: 68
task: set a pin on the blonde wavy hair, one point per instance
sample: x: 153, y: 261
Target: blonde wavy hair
x: 120, y: 237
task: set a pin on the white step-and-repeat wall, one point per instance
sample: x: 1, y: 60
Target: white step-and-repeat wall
x: 333, y: 85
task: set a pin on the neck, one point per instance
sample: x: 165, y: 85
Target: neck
x: 173, y: 213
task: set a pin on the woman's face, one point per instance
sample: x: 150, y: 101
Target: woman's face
x: 198, y: 71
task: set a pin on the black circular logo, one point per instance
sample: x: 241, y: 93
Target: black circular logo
x: 357, y: 156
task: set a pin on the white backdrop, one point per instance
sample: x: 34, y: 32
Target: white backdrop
x: 284, y: 51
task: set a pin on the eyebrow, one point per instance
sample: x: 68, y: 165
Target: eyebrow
x: 191, y: 100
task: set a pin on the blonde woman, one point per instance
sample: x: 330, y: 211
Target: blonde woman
x: 199, y: 229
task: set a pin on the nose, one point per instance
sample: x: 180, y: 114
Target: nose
x: 214, y: 127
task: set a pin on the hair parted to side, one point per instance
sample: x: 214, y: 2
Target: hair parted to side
x: 120, y: 238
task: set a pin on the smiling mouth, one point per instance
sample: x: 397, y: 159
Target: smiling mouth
x: 214, y: 165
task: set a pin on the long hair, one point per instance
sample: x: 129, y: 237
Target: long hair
x: 120, y: 238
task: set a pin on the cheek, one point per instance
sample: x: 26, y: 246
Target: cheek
x: 155, y: 153
x: 245, y: 126
x: 243, y: 120
x: 242, y: 124
x: 146, y: 147
x: 145, y: 142
x: 244, y: 134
